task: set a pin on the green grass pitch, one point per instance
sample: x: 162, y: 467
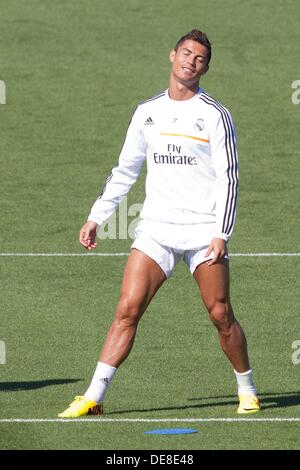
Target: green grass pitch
x: 74, y: 72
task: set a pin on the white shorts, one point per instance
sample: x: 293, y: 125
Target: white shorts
x: 166, y: 256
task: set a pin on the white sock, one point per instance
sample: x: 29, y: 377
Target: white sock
x: 101, y: 379
x: 245, y: 382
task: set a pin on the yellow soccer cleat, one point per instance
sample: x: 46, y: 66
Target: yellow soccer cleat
x: 82, y: 406
x: 248, y: 404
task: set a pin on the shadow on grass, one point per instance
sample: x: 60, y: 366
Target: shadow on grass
x: 32, y: 385
x: 268, y: 401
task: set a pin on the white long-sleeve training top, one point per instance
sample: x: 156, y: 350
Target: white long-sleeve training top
x: 192, y: 164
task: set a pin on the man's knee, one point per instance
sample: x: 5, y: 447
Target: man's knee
x: 128, y: 313
x: 221, y: 315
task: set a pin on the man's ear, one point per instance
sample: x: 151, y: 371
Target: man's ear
x: 172, y: 55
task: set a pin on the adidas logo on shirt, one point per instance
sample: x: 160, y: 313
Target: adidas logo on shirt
x: 149, y: 121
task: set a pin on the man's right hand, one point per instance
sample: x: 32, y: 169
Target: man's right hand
x: 87, y: 235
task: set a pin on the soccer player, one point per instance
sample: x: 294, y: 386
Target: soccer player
x: 188, y: 140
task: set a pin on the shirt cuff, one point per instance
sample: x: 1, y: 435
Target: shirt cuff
x: 222, y: 235
x: 94, y: 219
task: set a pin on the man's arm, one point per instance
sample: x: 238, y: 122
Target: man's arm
x: 118, y: 183
x: 225, y: 162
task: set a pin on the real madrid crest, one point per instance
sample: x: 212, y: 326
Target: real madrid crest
x: 199, y: 125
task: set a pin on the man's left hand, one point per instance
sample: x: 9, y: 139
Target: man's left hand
x: 219, y: 247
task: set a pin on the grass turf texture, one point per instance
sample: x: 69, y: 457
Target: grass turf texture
x: 176, y: 369
x: 74, y: 72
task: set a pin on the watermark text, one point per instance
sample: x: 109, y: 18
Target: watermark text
x: 120, y: 225
x: 2, y: 352
x: 2, y: 92
x: 296, y: 353
x: 296, y: 94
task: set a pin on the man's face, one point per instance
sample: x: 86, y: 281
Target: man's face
x: 189, y: 62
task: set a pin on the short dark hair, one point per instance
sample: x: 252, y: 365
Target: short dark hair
x: 197, y: 36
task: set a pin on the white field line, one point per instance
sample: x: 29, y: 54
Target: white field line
x: 264, y: 254
x: 145, y: 420
x: 87, y: 255
x: 126, y: 254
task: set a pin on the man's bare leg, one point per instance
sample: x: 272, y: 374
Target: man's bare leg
x: 142, y: 279
x: 213, y: 282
